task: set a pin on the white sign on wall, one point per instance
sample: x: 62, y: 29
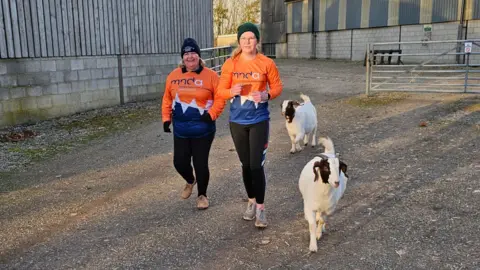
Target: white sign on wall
x: 468, y: 47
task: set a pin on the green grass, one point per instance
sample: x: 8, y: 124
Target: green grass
x: 97, y: 127
x: 381, y: 99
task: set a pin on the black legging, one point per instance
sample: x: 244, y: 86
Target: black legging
x: 251, y: 142
x: 198, y: 149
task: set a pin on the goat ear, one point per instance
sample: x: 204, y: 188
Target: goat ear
x: 343, y: 168
x: 324, y: 170
x: 289, y: 104
x: 316, y: 165
x: 290, y: 112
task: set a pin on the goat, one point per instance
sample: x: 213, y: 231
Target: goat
x: 321, y: 197
x: 301, y: 122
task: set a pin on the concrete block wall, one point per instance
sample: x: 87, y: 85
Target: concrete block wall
x: 362, y: 37
x: 473, y: 32
x: 281, y: 50
x: 440, y: 31
x: 351, y: 44
x: 334, y: 45
x: 322, y: 47
x: 37, y: 89
x: 299, y: 45
x: 473, y: 29
x: 144, y: 75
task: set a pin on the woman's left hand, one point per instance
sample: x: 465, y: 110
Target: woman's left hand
x: 259, y: 96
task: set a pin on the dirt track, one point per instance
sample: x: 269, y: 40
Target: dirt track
x: 412, y: 203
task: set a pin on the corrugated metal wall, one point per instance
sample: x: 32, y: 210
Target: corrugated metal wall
x: 444, y: 10
x: 297, y: 16
x: 51, y: 28
x: 273, y: 25
x: 331, y: 15
x: 316, y: 19
x: 354, y: 14
x: 409, y: 12
x: 377, y: 13
x: 476, y: 9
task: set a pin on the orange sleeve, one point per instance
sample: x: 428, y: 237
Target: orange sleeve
x: 225, y: 82
x: 167, y: 102
x: 218, y: 102
x: 274, y: 81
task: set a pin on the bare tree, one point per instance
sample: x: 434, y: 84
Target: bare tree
x: 229, y: 14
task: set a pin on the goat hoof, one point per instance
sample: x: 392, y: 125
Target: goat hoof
x: 306, y: 144
x: 313, y: 248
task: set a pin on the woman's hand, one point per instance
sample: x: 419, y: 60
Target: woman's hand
x: 236, y: 90
x: 166, y: 126
x: 259, y: 96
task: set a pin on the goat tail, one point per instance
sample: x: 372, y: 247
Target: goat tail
x: 305, y: 98
x: 327, y: 144
x: 316, y: 170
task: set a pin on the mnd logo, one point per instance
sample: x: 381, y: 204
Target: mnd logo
x: 247, y: 75
x: 189, y: 81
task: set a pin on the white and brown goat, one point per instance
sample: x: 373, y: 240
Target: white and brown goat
x: 322, y: 183
x: 301, y: 122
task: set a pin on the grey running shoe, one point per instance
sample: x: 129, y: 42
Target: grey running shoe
x: 261, y: 219
x: 250, y: 212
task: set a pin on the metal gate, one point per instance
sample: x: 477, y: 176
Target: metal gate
x: 215, y: 57
x: 424, y: 66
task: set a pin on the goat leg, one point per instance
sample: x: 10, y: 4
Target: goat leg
x: 314, y: 137
x: 305, y: 139
x: 294, y: 148
x: 310, y: 216
x: 319, y: 226
x: 298, y: 138
x: 322, y: 221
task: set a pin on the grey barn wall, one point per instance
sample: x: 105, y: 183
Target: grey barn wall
x: 63, y: 58
x: 55, y: 28
x: 351, y: 44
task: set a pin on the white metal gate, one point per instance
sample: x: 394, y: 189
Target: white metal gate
x: 424, y: 66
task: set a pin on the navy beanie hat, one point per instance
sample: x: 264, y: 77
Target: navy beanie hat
x: 248, y: 27
x: 190, y: 45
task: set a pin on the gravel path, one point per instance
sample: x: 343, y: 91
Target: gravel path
x: 111, y: 200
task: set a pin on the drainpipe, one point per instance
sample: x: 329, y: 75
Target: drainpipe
x: 314, y: 34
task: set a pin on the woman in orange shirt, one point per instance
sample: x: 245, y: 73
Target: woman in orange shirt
x: 244, y: 81
x: 191, y: 101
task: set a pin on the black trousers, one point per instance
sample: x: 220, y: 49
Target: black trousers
x: 197, y: 149
x: 251, y: 142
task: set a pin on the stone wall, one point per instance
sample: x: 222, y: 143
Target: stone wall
x: 36, y: 89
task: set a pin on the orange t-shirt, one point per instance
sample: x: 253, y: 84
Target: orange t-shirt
x: 191, y: 86
x: 254, y: 75
x: 188, y: 95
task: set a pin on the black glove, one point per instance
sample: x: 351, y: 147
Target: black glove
x: 206, y: 117
x: 166, y: 126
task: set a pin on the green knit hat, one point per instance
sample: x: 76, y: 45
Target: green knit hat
x: 248, y: 27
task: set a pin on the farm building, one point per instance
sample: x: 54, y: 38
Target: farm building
x: 341, y: 29
x: 58, y: 57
